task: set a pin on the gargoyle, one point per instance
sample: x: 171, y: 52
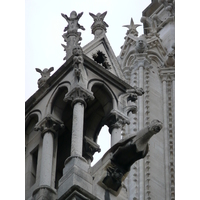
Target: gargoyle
x: 126, y: 152
x: 45, y: 75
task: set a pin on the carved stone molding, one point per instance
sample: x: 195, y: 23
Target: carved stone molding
x: 49, y: 124
x: 79, y: 94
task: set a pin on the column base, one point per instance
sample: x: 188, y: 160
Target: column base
x: 76, y: 192
x: 44, y: 192
x: 75, y: 174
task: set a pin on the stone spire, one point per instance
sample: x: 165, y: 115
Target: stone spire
x: 99, y: 25
x: 72, y: 36
x: 132, y: 28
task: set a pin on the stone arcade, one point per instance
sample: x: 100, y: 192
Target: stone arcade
x: 133, y: 94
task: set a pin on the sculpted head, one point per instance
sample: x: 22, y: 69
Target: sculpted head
x: 77, y: 50
x: 141, y: 44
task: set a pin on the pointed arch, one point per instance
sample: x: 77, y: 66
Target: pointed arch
x: 94, y: 82
x: 56, y: 103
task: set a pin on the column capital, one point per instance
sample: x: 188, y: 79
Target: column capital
x: 141, y: 60
x: 89, y: 148
x: 49, y: 124
x: 167, y: 74
x: 116, y: 119
x: 79, y: 94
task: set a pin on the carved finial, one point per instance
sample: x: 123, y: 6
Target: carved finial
x: 132, y: 28
x: 99, y: 25
x: 72, y: 36
x: 152, y: 24
x: 45, y: 75
x: 73, y: 24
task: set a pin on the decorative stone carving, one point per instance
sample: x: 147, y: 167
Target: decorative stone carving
x: 79, y: 94
x: 72, y: 37
x: 49, y: 124
x: 141, y: 45
x: 132, y: 28
x: 99, y: 25
x: 89, y: 148
x: 45, y: 75
x: 77, y: 61
x: 73, y: 24
x: 118, y: 118
x: 101, y: 58
x: 134, y: 147
x: 152, y: 23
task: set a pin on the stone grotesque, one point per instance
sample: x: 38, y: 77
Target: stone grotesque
x: 132, y: 28
x: 99, y: 25
x: 45, y: 75
x: 77, y: 60
x: 152, y: 24
x: 72, y: 36
x: 141, y: 45
x: 134, y: 147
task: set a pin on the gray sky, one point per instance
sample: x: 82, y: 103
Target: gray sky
x: 44, y: 27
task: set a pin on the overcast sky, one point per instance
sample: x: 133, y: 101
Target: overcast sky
x: 44, y: 27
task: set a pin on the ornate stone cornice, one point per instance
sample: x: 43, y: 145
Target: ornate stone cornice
x: 49, y: 124
x: 79, y: 94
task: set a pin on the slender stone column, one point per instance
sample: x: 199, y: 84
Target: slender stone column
x: 78, y: 96
x: 49, y: 127
x: 140, y: 126
x: 47, y: 158
x: 115, y: 131
x: 166, y: 146
x: 77, y: 129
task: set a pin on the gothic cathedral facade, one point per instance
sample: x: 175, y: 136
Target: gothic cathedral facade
x: 133, y: 94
